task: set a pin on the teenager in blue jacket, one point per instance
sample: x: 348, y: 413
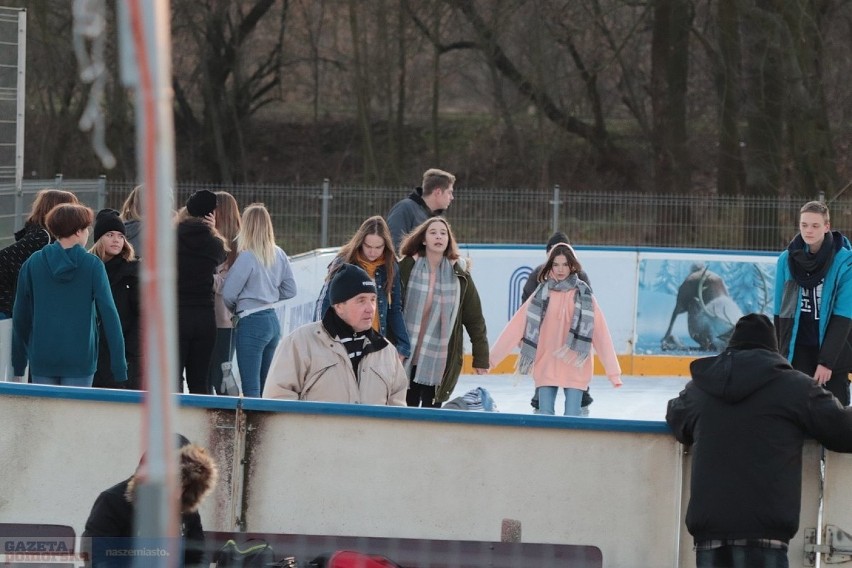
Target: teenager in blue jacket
x: 61, y: 291
x: 813, y: 301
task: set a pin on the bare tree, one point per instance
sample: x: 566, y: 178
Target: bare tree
x: 218, y: 87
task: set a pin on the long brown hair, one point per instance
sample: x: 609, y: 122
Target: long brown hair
x: 47, y: 199
x: 375, y: 225
x: 131, y: 209
x: 415, y: 242
x: 561, y: 249
x: 228, y: 223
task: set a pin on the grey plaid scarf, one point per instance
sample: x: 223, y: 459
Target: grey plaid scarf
x: 431, y: 352
x: 579, y: 338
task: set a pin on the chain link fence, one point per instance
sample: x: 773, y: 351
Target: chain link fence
x: 312, y: 216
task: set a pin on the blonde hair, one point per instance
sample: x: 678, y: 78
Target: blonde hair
x: 228, y: 222
x: 131, y: 210
x: 415, y: 242
x: 256, y: 234
x: 99, y: 250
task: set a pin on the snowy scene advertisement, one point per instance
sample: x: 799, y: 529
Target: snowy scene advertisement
x: 690, y: 306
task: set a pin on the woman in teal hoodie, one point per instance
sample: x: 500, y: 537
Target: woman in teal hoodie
x: 55, y: 316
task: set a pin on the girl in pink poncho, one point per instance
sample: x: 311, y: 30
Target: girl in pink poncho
x: 558, y: 329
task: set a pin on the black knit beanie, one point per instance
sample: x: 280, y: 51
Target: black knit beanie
x: 754, y: 331
x: 108, y: 220
x: 348, y: 282
x: 201, y: 203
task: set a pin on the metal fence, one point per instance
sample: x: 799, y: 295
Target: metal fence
x: 311, y: 216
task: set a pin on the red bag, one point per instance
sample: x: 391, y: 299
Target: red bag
x: 352, y: 559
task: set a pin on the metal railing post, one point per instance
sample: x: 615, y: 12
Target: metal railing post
x: 555, y: 202
x: 21, y: 106
x: 102, y: 192
x: 57, y: 181
x: 326, y: 197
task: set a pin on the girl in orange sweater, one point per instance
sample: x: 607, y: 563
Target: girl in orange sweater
x: 557, y: 329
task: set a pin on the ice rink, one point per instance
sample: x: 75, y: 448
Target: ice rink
x: 640, y: 398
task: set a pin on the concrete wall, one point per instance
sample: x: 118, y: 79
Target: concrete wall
x: 350, y: 470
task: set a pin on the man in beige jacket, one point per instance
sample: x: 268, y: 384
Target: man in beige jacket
x: 340, y: 358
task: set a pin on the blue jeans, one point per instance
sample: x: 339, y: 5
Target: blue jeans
x: 64, y: 381
x: 547, y: 401
x: 256, y: 338
x: 741, y: 557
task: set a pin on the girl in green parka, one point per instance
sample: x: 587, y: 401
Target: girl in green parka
x: 439, y: 297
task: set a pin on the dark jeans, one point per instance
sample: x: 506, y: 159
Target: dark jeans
x: 197, y: 336
x: 806, y: 359
x: 420, y: 395
x: 741, y: 557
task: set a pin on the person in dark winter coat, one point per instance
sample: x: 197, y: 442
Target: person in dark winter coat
x: 431, y: 199
x: 61, y: 289
x: 31, y: 238
x: 813, y: 301
x: 34, y: 236
x: 122, y: 267
x: 529, y: 288
x: 746, y: 414
x: 111, y: 520
x: 200, y: 251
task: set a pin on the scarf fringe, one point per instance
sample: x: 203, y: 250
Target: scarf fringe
x: 569, y: 355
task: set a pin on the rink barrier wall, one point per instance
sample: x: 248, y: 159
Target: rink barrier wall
x: 350, y: 470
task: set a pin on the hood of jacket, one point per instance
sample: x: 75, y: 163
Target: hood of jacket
x: 417, y: 197
x: 132, y: 230
x: 63, y: 263
x: 30, y: 228
x: 198, y: 476
x: 736, y: 374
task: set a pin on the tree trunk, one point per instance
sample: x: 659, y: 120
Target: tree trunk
x: 810, y: 141
x: 370, y: 168
x: 436, y: 88
x: 764, y: 111
x: 669, y: 70
x: 730, y: 178
x: 399, y: 149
